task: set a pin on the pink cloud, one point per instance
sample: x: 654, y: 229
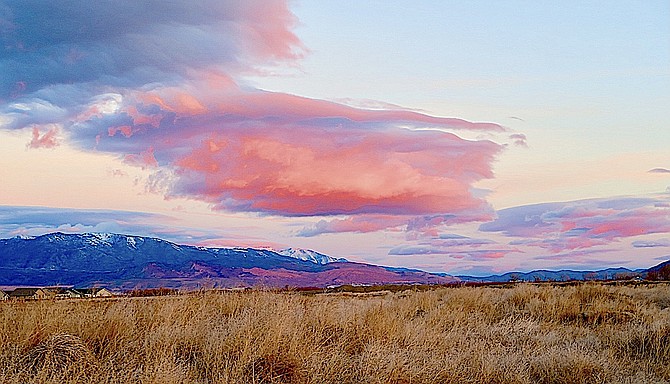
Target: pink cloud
x: 144, y: 159
x: 124, y: 129
x: 301, y: 170
x: 273, y: 39
x: 171, y: 95
x: 582, y: 224
x: 289, y: 155
x: 227, y: 99
x: 291, y: 108
x: 168, y: 99
x: 46, y: 140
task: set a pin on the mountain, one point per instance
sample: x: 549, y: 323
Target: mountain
x: 561, y: 275
x: 659, y: 267
x: 659, y: 272
x: 126, y: 262
x: 309, y: 255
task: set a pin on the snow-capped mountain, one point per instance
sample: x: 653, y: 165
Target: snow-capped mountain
x: 123, y: 261
x: 309, y: 255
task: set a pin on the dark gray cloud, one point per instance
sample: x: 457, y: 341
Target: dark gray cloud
x: 129, y: 43
x: 651, y: 243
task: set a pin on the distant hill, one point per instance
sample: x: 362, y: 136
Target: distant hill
x: 665, y: 264
x: 561, y: 275
x: 659, y: 272
x: 128, y: 262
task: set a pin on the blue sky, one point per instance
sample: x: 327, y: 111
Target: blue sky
x: 590, y: 80
x: 348, y: 127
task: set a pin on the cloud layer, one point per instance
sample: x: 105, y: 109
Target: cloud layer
x: 558, y: 227
x: 129, y: 44
x: 34, y: 221
x: 161, y: 85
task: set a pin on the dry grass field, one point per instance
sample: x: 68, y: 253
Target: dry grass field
x: 587, y: 333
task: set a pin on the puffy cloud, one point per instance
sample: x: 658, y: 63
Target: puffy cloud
x: 582, y: 224
x: 301, y: 170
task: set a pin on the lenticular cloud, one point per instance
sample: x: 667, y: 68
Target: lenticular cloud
x: 161, y: 84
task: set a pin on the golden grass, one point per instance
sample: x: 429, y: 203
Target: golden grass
x: 587, y: 333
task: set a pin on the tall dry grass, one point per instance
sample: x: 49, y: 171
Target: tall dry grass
x: 527, y: 334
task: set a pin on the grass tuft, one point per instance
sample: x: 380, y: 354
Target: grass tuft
x: 273, y: 369
x: 57, y: 355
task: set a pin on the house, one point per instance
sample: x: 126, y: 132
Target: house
x: 95, y: 292
x: 65, y: 293
x: 4, y: 296
x: 30, y: 294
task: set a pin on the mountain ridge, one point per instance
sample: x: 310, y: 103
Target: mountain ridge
x: 558, y: 275
x: 125, y: 261
x: 309, y: 255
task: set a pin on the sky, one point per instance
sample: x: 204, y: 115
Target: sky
x: 459, y: 137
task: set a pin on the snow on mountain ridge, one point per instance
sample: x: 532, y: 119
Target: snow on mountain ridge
x: 97, y: 238
x: 133, y: 242
x: 55, y: 237
x: 309, y: 255
x: 24, y: 237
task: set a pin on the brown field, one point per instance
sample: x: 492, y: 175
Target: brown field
x: 588, y: 333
